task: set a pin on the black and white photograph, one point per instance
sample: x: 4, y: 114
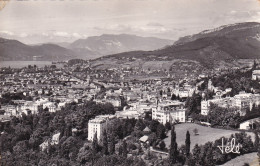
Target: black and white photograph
x: 129, y: 82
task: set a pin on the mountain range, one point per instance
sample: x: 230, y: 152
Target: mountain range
x: 230, y: 42
x: 89, y: 48
x: 111, y: 44
x: 13, y: 50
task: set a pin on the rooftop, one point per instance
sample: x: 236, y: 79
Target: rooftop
x: 256, y: 72
x: 101, y: 118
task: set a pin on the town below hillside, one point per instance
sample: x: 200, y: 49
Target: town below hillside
x: 82, y: 113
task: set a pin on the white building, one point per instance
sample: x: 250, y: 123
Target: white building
x: 98, y: 125
x: 50, y: 105
x: 169, y: 112
x: 30, y: 105
x: 221, y: 102
x: 205, y: 107
x: 185, y: 91
x: 10, y: 110
x: 243, y: 101
x: 115, y: 101
x: 53, y: 141
x: 246, y: 100
x: 256, y: 75
x: 128, y: 114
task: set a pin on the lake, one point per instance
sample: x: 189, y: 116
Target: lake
x: 20, y: 64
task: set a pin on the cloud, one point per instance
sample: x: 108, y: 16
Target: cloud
x: 23, y: 35
x: 126, y: 28
x: 45, y: 34
x: 61, y: 34
x: 76, y: 35
x: 242, y: 14
x: 239, y: 14
x: 154, y: 24
x: 114, y: 27
x: 7, y: 33
x: 65, y: 34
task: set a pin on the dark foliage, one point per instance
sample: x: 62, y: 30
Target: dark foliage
x: 237, y: 80
x: 22, y: 136
x: 223, y: 117
x: 193, y: 104
x: 210, y: 154
x: 173, y: 147
x: 187, y: 143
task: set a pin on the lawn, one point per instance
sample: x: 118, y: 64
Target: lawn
x: 250, y: 158
x: 205, y: 134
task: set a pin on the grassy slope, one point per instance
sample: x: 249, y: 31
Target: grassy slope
x: 251, y: 159
x: 205, y: 134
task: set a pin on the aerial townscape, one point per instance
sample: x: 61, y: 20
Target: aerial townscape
x: 83, y: 112
x: 128, y: 100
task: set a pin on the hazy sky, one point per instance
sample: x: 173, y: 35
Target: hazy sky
x: 46, y: 20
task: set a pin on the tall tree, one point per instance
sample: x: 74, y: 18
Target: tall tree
x: 105, y: 143
x: 153, y: 125
x: 173, y: 147
x: 258, y: 147
x: 196, y: 154
x: 95, y: 144
x: 124, y: 150
x: 168, y: 126
x: 256, y: 144
x: 162, y: 145
x: 174, y: 97
x: 160, y: 131
x: 187, y: 143
x: 258, y: 154
x: 208, y: 154
x: 139, y: 125
x: 112, y: 144
x: 254, y: 65
x: 120, y: 150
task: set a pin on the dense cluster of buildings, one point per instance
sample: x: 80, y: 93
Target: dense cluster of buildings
x: 52, y: 88
x: 243, y: 101
x: 30, y: 89
x: 29, y: 107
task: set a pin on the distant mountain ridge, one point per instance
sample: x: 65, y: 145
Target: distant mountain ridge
x: 236, y: 41
x: 90, y: 48
x: 233, y: 30
x: 111, y: 44
x: 229, y: 42
x: 14, y: 50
